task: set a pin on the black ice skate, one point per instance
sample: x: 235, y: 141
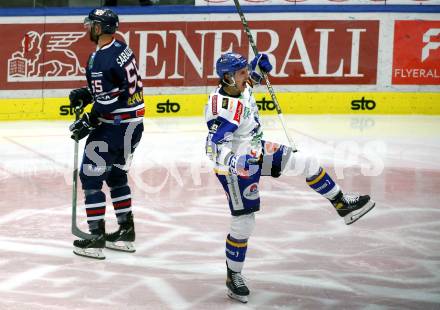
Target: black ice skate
x: 91, y: 248
x: 123, y: 238
x: 352, y: 206
x: 237, y: 288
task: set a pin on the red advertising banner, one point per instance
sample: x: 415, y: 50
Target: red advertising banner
x: 52, y: 56
x: 416, y: 58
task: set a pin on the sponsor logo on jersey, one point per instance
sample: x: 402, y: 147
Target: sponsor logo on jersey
x: 98, y: 74
x: 238, y: 112
x: 247, y: 112
x: 231, y: 105
x: 168, y: 107
x: 136, y: 98
x: 214, y: 105
x: 225, y: 103
x: 104, y: 97
x: 251, y: 192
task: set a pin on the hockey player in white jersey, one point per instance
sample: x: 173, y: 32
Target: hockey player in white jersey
x: 241, y: 156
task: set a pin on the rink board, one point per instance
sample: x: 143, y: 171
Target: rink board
x: 353, y: 62
x: 291, y: 103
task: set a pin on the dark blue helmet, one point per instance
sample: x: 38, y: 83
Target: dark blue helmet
x: 107, y: 18
x: 229, y: 63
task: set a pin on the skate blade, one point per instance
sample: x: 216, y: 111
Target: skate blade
x: 123, y: 246
x: 357, y: 214
x: 95, y: 253
x: 243, y: 299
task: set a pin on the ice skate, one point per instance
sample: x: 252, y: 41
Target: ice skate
x: 352, y: 206
x: 123, y: 238
x: 91, y: 248
x: 236, y: 285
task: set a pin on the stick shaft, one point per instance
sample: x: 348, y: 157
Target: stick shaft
x: 75, y: 229
x: 266, y: 78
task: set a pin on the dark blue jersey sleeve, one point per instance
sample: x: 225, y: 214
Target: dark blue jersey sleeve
x: 223, y: 130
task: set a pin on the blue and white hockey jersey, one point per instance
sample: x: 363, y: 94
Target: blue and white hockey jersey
x: 113, y: 77
x: 234, y: 127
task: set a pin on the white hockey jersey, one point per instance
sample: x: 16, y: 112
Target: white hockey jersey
x: 234, y: 127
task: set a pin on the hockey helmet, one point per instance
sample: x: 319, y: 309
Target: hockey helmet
x: 107, y: 18
x: 229, y: 63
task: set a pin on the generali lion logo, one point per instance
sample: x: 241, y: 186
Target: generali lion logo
x: 46, y: 56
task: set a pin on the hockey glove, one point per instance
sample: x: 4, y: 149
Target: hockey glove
x: 259, y: 65
x: 243, y: 165
x: 82, y: 127
x: 80, y: 97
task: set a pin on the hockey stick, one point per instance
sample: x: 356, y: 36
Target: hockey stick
x: 75, y: 229
x: 269, y: 86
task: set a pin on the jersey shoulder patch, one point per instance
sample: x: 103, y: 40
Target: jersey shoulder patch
x: 225, y: 103
x: 214, y: 107
x: 238, y: 112
x: 231, y: 109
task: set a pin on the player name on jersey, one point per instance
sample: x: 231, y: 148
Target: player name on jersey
x: 124, y: 56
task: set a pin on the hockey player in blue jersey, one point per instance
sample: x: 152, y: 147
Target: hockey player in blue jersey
x: 114, y: 128
x: 241, y: 156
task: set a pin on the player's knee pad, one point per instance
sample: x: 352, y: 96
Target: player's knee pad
x: 303, y: 164
x: 242, y: 226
